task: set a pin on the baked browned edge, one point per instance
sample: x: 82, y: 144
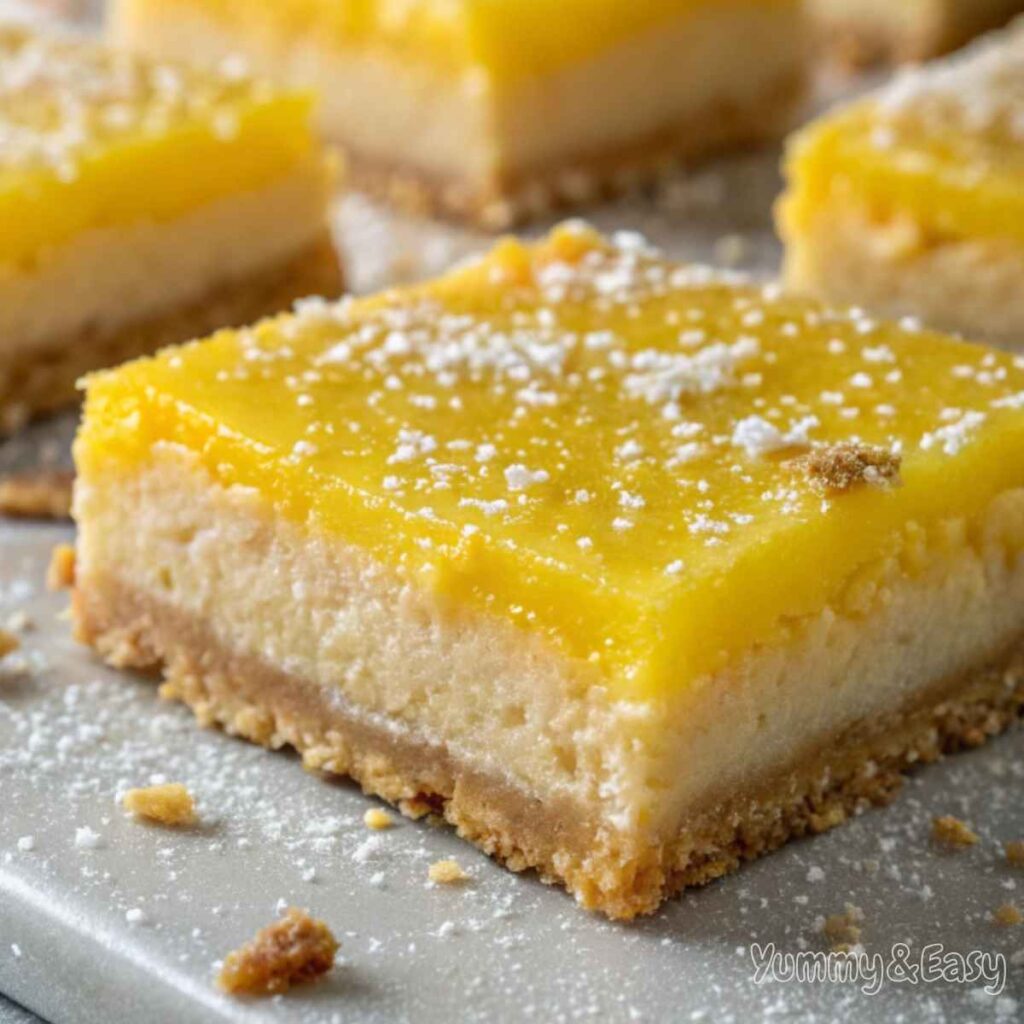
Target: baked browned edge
x: 586, y: 178
x: 34, y: 384
x: 619, y: 876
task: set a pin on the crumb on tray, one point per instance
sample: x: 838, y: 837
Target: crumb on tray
x: 378, y: 819
x: 1007, y: 915
x: 169, y: 804
x: 60, y: 575
x: 1015, y: 853
x: 291, y: 951
x: 843, y: 930
x: 952, y: 832
x: 9, y: 643
x: 447, y: 872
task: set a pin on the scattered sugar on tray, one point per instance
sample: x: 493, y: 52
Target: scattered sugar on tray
x: 87, y: 839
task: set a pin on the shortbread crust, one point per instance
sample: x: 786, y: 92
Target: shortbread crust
x: 250, y: 699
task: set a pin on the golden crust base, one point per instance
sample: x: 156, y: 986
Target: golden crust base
x: 43, y: 381
x: 620, y: 875
x: 584, y: 178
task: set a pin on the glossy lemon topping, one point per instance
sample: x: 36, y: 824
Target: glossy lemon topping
x: 92, y: 139
x: 603, y: 447
x: 506, y: 38
x: 944, y: 143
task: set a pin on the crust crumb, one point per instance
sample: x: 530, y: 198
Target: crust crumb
x: 447, y: 872
x: 9, y: 643
x: 61, y: 573
x: 952, y: 832
x: 1007, y: 915
x: 1015, y: 853
x: 291, y: 951
x: 843, y: 930
x: 837, y: 468
x: 377, y: 819
x: 38, y: 494
x: 170, y: 804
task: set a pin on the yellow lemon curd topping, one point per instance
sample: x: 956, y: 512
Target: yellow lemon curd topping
x: 92, y: 139
x: 506, y: 38
x: 944, y: 143
x: 599, y: 445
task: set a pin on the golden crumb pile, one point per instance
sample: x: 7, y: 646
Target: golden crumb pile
x: 447, y: 872
x: 843, y: 930
x: 291, y: 951
x: 8, y: 643
x: 169, y: 804
x: 40, y: 494
x: 1015, y: 853
x: 377, y: 819
x: 952, y: 831
x: 836, y: 468
x: 1007, y: 915
x: 61, y: 573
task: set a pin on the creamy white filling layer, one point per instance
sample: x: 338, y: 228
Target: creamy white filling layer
x: 108, y: 278
x: 504, y: 703
x: 462, y: 126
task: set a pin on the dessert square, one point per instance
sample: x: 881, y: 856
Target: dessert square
x: 911, y: 201
x: 867, y: 31
x: 143, y: 204
x: 629, y: 570
x: 498, y: 111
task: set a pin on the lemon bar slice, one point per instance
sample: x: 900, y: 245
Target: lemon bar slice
x: 143, y: 204
x: 911, y: 202
x: 866, y: 31
x: 629, y: 570
x: 500, y: 109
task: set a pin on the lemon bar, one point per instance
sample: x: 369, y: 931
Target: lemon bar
x: 866, y: 31
x: 143, y: 204
x: 629, y: 570
x: 500, y: 109
x: 911, y: 202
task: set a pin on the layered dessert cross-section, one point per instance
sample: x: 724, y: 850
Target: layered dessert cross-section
x: 143, y: 204
x: 629, y: 570
x: 867, y: 31
x: 494, y: 111
x: 911, y: 201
